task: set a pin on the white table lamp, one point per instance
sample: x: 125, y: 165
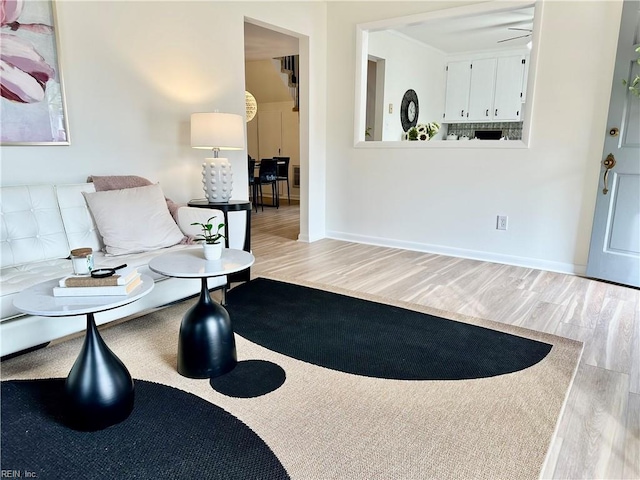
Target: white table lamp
x: 217, y: 131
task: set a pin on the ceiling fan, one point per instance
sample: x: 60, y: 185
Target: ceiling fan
x: 519, y: 36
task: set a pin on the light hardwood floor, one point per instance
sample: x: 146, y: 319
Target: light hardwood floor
x: 599, y: 433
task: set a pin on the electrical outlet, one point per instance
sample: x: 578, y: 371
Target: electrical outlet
x: 502, y: 222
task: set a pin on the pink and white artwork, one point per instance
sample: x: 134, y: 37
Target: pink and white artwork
x: 32, y: 110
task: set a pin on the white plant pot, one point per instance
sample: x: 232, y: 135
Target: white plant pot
x: 212, y: 251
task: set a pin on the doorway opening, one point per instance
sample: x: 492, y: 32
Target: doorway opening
x: 375, y: 98
x: 272, y: 76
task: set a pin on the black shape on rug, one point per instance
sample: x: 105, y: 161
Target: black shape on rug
x: 250, y: 379
x: 372, y: 339
x: 169, y: 434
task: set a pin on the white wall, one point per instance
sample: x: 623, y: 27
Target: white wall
x: 409, y: 65
x: 446, y: 200
x: 264, y: 81
x: 135, y: 71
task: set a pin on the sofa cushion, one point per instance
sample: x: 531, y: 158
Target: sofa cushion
x: 78, y: 223
x: 133, y: 219
x: 15, y: 279
x: 31, y: 228
x: 118, y: 182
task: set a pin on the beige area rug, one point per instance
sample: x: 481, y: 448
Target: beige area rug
x: 325, y: 424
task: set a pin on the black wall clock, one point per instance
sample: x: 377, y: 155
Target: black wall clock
x: 409, y: 110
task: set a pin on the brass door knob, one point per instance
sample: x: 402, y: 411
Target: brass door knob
x: 608, y: 163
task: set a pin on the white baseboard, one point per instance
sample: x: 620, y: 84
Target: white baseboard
x: 526, y: 262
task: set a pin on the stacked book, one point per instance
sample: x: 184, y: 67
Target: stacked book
x: 123, y: 283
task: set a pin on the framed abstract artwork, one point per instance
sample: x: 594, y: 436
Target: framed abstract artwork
x: 32, y: 103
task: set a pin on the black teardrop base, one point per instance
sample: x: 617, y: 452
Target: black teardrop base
x: 206, y: 347
x: 99, y: 388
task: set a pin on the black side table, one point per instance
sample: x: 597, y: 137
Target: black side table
x: 226, y: 207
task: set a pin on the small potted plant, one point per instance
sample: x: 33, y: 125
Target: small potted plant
x: 212, y: 245
x: 426, y: 131
x: 422, y: 131
x: 412, y: 134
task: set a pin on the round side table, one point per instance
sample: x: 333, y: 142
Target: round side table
x: 99, y: 388
x: 206, y: 345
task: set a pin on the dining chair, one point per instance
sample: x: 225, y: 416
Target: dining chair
x: 268, y: 175
x: 283, y: 173
x: 252, y: 183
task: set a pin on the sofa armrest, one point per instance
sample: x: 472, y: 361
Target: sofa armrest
x: 188, y: 215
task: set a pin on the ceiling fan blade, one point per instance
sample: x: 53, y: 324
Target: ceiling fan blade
x: 514, y: 38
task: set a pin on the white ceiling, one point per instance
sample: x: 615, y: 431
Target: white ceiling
x: 452, y: 35
x: 262, y: 44
x: 474, y: 33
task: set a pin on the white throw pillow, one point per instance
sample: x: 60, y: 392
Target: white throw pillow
x: 133, y: 219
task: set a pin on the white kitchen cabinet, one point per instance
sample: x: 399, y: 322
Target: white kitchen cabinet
x: 507, y: 104
x: 457, y: 91
x: 525, y: 78
x: 489, y: 89
x: 481, y: 91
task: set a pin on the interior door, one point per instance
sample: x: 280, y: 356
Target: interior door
x: 269, y: 134
x: 614, y: 253
x: 291, y: 137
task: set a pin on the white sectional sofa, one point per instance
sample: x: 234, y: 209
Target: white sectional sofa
x: 41, y: 224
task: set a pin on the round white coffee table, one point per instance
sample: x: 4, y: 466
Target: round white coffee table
x: 99, y: 387
x: 206, y: 345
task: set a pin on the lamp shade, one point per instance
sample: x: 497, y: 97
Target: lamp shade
x: 224, y: 131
